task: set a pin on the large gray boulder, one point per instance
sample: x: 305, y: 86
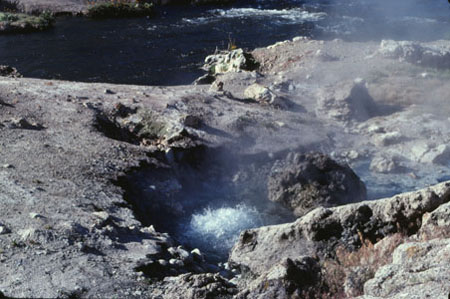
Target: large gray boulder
x: 303, y: 182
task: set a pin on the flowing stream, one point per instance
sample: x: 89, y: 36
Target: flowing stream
x: 169, y: 48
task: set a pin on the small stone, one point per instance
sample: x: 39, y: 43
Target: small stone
x: 7, y: 166
x: 163, y: 263
x: 102, y: 215
x: 196, y: 253
x: 172, y: 251
x: 4, y: 230
x: 280, y: 124
x: 34, y: 215
x: 176, y: 263
x: 109, y: 91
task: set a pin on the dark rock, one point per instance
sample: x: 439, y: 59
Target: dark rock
x: 7, y: 71
x: 194, y: 286
x: 192, y: 121
x: 303, y: 182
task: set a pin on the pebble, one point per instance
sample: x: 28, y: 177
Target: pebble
x: 4, y: 230
x: 34, y: 215
x: 163, y: 263
x: 109, y: 91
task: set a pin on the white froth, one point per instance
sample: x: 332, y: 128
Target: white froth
x: 218, y: 229
x: 287, y: 16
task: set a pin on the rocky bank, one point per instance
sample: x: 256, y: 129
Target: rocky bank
x: 70, y: 154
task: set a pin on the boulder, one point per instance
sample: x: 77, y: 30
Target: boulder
x: 303, y: 182
x: 264, y: 95
x: 384, y: 164
x: 230, y: 61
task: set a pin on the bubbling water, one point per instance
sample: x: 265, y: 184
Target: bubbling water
x: 216, y: 230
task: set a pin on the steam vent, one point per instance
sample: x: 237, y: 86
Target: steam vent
x: 224, y: 149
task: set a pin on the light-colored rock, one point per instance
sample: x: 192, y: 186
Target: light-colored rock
x: 437, y: 155
x: 383, y: 164
x: 263, y: 94
x: 387, y: 139
x: 418, y: 270
x: 229, y: 61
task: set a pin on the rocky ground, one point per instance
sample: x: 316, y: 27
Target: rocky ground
x: 72, y: 225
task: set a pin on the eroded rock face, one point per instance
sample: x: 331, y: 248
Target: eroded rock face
x: 358, y: 227
x: 302, y: 182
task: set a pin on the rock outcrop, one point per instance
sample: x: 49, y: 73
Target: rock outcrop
x: 303, y: 182
x: 436, y: 55
x: 354, y: 235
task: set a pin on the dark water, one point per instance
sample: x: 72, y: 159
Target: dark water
x: 169, y: 48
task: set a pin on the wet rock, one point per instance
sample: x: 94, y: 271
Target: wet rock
x: 7, y: 71
x: 194, y: 286
x: 230, y: 61
x: 263, y: 95
x: 302, y: 182
x: 346, y: 102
